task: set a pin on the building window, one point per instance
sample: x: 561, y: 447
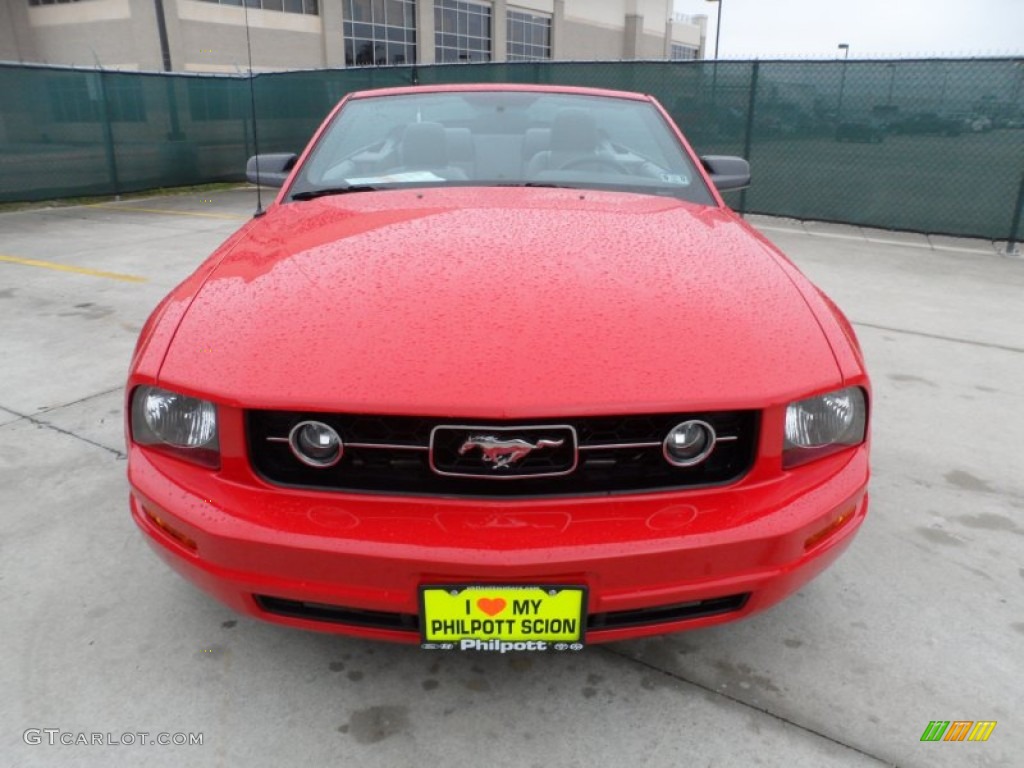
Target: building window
x: 379, y: 32
x: 217, y: 99
x: 80, y: 100
x: 682, y: 52
x: 125, y: 102
x: 462, y: 31
x: 289, y: 6
x: 305, y: 98
x: 529, y: 36
x: 311, y: 7
x: 73, y: 101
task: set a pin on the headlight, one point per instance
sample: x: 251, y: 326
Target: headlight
x: 821, y: 425
x: 186, y: 426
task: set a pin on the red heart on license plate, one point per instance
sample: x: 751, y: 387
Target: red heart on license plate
x: 491, y: 607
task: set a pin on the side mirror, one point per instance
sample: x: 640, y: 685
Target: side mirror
x: 271, y: 170
x: 727, y: 172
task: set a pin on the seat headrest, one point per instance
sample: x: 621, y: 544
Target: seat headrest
x: 573, y: 130
x: 424, y: 145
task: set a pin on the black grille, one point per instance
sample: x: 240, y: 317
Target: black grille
x: 389, y: 454
x: 337, y: 614
x: 665, y: 614
x: 407, y: 622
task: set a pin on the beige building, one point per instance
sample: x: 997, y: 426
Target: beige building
x: 210, y: 35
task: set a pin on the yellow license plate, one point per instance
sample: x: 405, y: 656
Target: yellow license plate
x: 502, y: 618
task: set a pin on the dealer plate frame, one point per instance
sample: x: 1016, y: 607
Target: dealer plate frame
x: 456, y: 589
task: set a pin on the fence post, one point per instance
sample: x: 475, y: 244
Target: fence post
x: 175, y: 133
x: 108, y: 134
x: 245, y: 139
x: 749, y: 138
x: 1014, y: 238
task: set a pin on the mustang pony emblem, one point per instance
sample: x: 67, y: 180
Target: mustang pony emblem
x: 504, y: 453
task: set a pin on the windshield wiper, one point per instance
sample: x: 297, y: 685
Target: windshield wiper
x: 546, y: 184
x: 312, y: 194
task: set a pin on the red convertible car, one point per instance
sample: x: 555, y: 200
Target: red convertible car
x: 498, y: 370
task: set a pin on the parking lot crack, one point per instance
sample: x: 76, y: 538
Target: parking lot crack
x: 938, y: 337
x: 46, y: 425
x: 80, y: 400
x: 8, y: 416
x: 746, y: 704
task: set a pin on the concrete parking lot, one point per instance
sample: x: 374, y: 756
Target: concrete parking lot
x: 921, y: 620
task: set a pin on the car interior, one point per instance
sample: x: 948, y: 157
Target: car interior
x: 503, y: 143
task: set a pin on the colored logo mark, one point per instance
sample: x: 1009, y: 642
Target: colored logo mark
x: 958, y: 730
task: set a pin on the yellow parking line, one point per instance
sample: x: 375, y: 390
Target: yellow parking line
x: 166, y: 212
x: 76, y: 270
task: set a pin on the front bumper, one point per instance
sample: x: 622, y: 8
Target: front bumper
x: 736, y: 549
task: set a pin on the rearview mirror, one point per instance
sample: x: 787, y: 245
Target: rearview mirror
x: 727, y: 172
x: 271, y: 169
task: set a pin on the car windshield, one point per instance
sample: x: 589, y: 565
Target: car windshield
x: 500, y: 138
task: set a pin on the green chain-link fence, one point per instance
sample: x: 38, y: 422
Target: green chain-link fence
x: 932, y: 145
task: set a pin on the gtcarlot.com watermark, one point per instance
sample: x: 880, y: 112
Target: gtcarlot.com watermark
x: 57, y: 737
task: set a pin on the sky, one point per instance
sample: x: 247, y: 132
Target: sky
x: 872, y: 28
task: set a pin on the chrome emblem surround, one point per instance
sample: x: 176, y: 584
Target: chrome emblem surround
x: 503, y: 453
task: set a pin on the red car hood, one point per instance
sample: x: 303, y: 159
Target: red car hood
x: 499, y: 303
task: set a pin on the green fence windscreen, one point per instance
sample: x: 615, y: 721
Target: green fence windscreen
x: 926, y: 145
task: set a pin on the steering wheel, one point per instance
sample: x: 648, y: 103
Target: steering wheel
x: 595, y: 161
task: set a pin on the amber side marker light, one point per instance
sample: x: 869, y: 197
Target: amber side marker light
x: 174, y: 533
x: 816, y: 538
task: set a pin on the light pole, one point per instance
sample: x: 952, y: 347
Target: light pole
x: 714, y: 71
x: 718, y: 25
x: 845, y: 48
